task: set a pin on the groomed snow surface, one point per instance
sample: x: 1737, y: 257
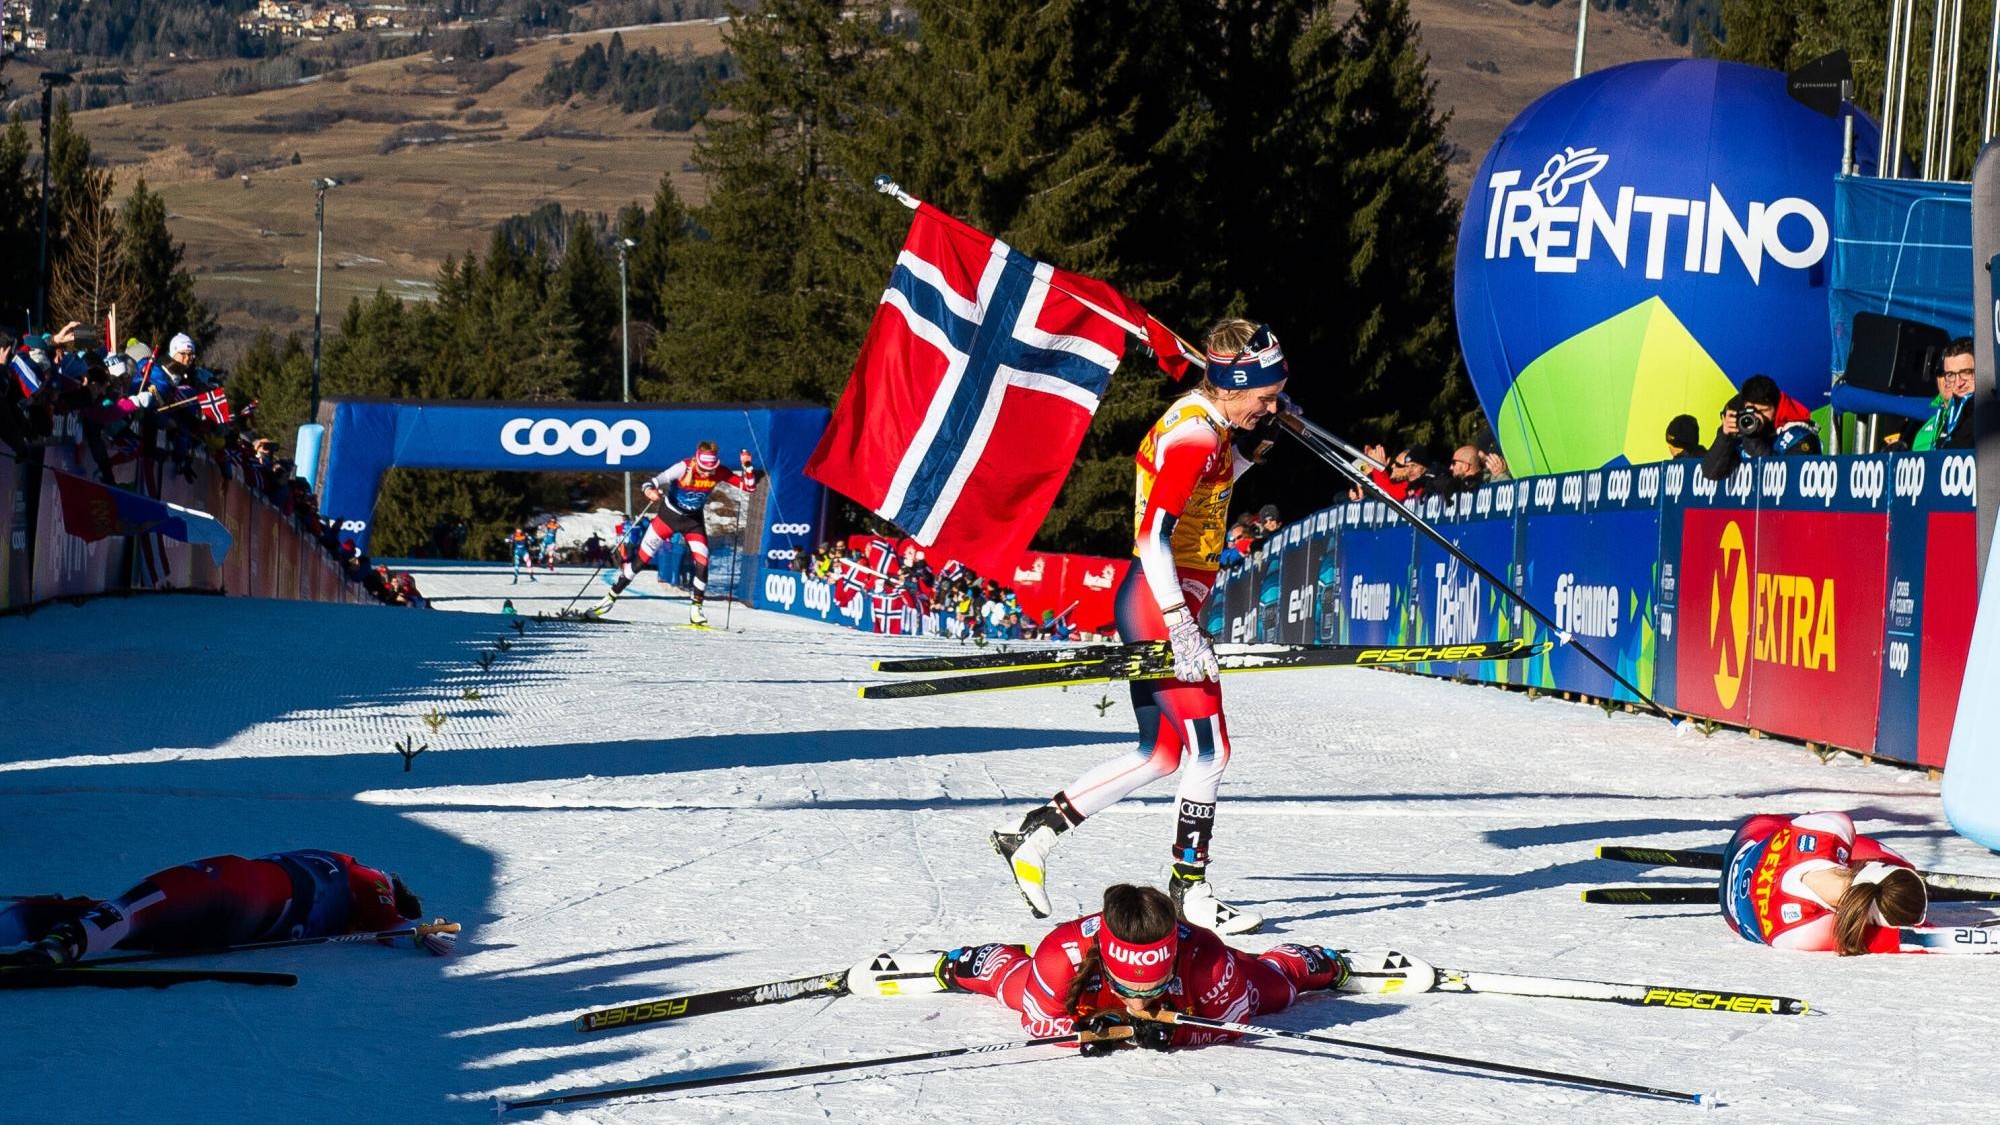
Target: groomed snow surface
x: 630, y: 810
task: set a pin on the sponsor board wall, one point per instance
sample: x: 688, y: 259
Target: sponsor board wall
x: 1828, y: 599
x: 270, y: 557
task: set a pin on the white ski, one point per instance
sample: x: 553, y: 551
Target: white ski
x: 1951, y: 939
x: 909, y: 973
x: 1390, y: 972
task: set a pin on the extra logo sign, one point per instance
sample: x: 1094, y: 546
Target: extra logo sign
x: 1729, y: 615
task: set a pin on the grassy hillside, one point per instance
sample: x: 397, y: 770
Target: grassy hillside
x: 433, y: 155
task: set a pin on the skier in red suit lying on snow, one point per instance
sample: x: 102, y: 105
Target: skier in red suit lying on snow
x: 218, y: 901
x: 1128, y: 961
x: 1812, y: 883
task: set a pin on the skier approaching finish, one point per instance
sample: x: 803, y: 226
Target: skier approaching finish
x: 1187, y: 465
x: 1124, y: 963
x: 682, y: 493
x: 219, y: 901
x: 519, y: 541
x: 549, y: 530
x: 1811, y: 883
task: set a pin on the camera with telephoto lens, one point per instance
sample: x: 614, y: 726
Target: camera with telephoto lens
x: 1749, y: 421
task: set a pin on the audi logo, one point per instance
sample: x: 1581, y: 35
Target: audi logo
x: 1820, y: 480
x: 552, y: 437
x: 791, y: 529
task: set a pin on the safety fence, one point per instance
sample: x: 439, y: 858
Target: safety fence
x: 1078, y: 589
x: 1826, y: 599
x: 271, y: 556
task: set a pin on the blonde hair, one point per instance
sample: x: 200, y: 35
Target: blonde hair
x: 1229, y: 336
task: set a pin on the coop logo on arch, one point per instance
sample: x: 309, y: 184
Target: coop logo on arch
x: 588, y: 437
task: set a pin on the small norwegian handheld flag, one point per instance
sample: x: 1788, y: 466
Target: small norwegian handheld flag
x: 214, y: 405
x: 973, y: 390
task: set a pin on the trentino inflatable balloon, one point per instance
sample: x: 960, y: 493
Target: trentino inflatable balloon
x: 1638, y: 243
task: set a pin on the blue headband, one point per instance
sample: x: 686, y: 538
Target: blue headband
x: 1260, y: 364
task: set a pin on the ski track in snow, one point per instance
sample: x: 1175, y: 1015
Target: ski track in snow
x: 630, y: 811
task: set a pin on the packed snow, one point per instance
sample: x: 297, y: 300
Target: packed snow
x: 630, y: 810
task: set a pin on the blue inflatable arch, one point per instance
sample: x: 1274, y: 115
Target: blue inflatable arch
x: 365, y: 437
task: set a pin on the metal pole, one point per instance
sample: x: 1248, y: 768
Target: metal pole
x: 1992, y: 68
x: 321, y: 187
x: 1582, y: 24
x: 625, y: 349
x: 1931, y: 98
x: 1903, y: 78
x: 1888, y: 140
x: 1950, y: 93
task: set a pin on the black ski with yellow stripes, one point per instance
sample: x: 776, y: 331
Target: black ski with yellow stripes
x: 1154, y: 660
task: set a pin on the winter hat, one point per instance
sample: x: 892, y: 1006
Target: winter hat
x: 181, y: 343
x: 1683, y: 432
x: 1260, y: 364
x: 1143, y: 967
x: 1269, y: 512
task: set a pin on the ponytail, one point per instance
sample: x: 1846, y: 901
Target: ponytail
x: 1896, y: 899
x: 1089, y: 974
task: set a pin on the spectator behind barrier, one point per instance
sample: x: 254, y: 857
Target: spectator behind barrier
x: 1769, y: 422
x: 1496, y: 466
x: 1684, y: 438
x: 1268, y: 523
x: 1946, y: 417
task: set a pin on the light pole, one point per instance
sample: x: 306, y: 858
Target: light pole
x: 625, y: 349
x: 320, y: 188
x: 50, y: 80
x: 1582, y: 26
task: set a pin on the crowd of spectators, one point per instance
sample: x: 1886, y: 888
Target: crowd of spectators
x: 953, y: 600
x: 1421, y: 469
x: 135, y: 417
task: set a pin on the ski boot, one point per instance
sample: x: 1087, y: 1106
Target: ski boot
x: 1196, y: 904
x: 696, y: 616
x: 1026, y: 851
x: 604, y: 607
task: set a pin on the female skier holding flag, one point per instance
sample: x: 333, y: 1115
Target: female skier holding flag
x: 1187, y: 466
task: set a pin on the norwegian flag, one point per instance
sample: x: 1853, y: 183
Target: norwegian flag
x: 214, y: 405
x: 973, y: 390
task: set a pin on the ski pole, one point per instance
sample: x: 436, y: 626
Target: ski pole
x: 1434, y: 1057
x: 1308, y: 435
x: 643, y: 513
x: 679, y: 1084
x: 417, y: 931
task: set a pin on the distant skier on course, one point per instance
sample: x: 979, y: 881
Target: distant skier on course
x: 682, y: 492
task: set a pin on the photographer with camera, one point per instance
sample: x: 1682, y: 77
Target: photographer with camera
x: 1767, y: 422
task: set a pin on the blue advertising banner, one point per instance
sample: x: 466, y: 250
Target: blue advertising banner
x: 1376, y: 556
x: 367, y: 437
x: 1901, y: 248
x: 811, y: 598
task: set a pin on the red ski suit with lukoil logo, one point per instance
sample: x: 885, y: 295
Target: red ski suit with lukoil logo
x: 1765, y: 898
x: 1210, y: 980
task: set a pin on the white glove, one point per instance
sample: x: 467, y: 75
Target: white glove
x: 1194, y: 657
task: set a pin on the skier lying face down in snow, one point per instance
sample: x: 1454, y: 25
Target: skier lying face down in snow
x: 1811, y: 883
x: 1129, y: 961
x: 218, y: 901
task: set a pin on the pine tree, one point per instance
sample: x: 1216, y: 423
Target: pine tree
x: 772, y: 302
x: 163, y: 302
x: 276, y: 376
x: 585, y: 287
x: 20, y: 204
